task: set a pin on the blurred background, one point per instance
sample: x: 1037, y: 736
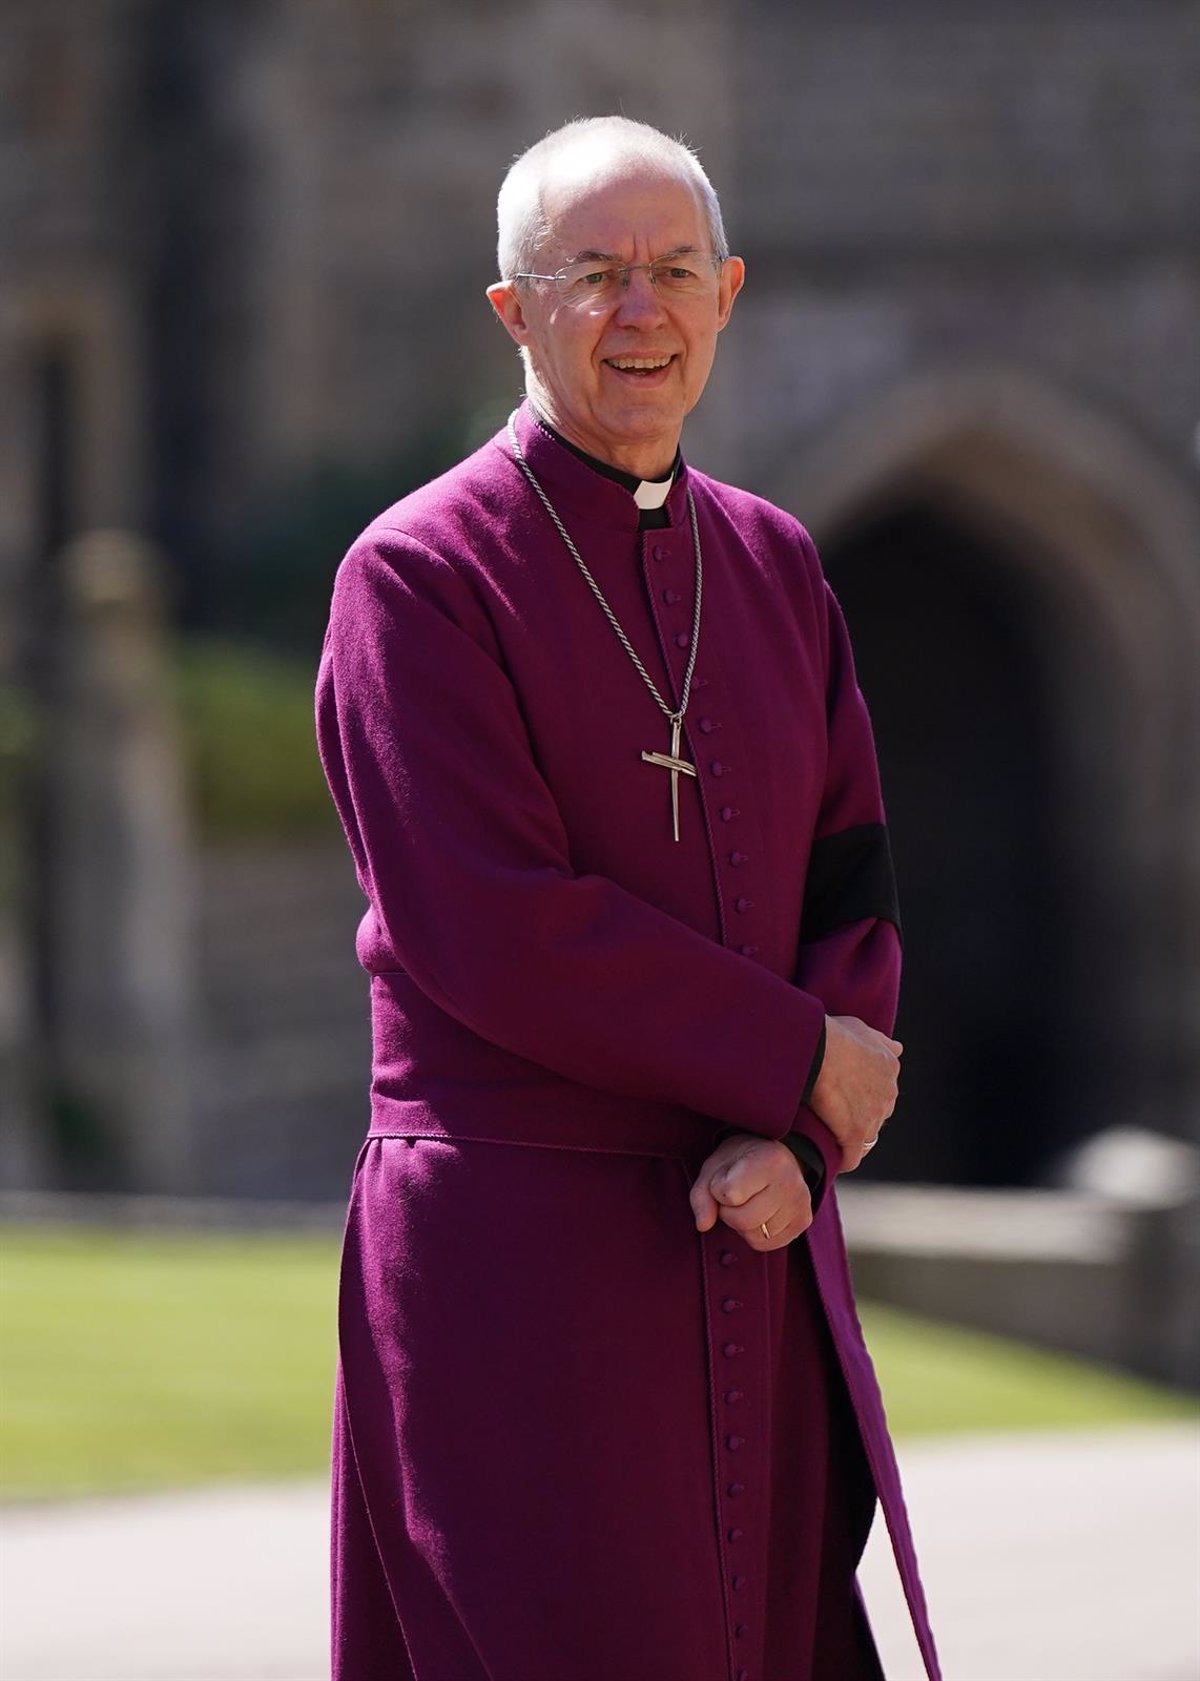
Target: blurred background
x: 243, y: 250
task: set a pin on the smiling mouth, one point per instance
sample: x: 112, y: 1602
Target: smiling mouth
x: 640, y: 365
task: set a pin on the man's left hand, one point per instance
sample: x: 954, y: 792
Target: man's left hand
x: 750, y: 1183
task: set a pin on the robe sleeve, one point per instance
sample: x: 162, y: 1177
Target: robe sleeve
x: 462, y: 853
x: 849, y: 954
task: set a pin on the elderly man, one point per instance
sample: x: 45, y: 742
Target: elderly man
x: 591, y: 724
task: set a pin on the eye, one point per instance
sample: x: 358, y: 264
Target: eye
x: 585, y: 280
x: 586, y: 277
x: 675, y: 273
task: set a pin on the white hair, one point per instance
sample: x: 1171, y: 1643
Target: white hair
x: 520, y: 215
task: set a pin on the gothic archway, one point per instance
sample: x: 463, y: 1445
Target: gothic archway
x: 1021, y: 584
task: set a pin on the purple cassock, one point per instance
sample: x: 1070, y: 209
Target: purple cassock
x: 576, y: 1440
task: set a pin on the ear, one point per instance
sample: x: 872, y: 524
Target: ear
x: 506, y: 300
x: 733, y: 278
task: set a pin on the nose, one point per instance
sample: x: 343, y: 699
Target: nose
x: 640, y: 303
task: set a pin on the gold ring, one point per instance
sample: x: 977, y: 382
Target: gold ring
x: 870, y: 1144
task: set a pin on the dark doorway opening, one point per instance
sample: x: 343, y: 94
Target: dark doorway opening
x: 948, y: 655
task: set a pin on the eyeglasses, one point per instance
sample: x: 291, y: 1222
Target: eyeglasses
x: 593, y: 280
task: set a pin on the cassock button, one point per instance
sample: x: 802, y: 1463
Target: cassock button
x: 736, y: 858
x: 728, y: 813
x: 730, y: 1304
x: 707, y: 726
x: 733, y: 1443
x: 659, y: 552
x: 743, y: 905
x: 733, y: 1396
x: 717, y: 768
x: 734, y: 1534
x: 682, y: 640
x: 728, y: 1258
x: 740, y: 1631
x: 670, y: 597
x: 732, y: 1349
x: 742, y: 1675
x: 737, y: 1584
x: 748, y: 951
x: 734, y: 1489
x: 699, y: 682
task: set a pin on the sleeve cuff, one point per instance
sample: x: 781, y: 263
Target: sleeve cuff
x: 812, y: 1163
x: 814, y: 1071
x: 811, y: 1141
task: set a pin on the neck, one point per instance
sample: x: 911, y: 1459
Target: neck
x: 651, y: 458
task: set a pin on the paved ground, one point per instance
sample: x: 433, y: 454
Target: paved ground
x: 1047, y: 1558
x: 1051, y: 1558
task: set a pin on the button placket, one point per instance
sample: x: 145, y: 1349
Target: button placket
x: 668, y: 577
x: 735, y: 859
x: 703, y: 730
x: 741, y: 1457
x: 733, y: 833
x: 732, y: 857
x: 679, y: 599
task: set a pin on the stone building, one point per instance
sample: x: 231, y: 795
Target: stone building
x: 245, y: 243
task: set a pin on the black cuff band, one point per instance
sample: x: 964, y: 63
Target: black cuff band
x: 811, y: 1164
x: 814, y: 1071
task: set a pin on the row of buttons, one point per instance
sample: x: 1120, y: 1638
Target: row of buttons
x: 733, y: 1398
x: 709, y: 726
x: 734, y: 1443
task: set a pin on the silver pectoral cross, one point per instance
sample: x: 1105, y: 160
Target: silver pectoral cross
x: 678, y: 767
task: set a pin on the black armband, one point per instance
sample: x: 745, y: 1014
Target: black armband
x: 850, y: 878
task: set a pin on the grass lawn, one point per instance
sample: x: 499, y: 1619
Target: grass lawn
x: 939, y: 1380
x: 151, y: 1360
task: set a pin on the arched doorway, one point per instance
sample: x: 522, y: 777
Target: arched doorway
x: 1022, y: 593
x: 949, y: 659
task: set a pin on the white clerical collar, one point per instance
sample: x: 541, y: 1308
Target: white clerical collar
x: 652, y: 493
x: 647, y: 493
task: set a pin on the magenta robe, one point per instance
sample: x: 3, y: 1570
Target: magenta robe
x: 575, y: 1440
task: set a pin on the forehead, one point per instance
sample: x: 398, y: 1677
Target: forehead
x: 620, y: 205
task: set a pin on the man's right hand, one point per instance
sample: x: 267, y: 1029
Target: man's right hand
x: 856, y: 1090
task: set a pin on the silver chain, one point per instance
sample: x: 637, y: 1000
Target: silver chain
x: 671, y: 717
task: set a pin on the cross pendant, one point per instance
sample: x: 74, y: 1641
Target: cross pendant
x: 678, y: 767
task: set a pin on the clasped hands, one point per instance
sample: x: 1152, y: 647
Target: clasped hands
x: 754, y: 1185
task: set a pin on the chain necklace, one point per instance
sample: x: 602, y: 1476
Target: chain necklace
x: 665, y: 761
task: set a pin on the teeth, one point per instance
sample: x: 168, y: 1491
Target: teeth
x: 626, y: 362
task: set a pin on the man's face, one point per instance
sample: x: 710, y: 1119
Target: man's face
x: 578, y: 353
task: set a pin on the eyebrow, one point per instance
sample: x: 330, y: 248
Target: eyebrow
x: 608, y: 257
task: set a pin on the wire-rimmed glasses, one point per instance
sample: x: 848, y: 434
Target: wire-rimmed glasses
x: 601, y: 280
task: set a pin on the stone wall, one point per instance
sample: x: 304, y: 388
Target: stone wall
x: 287, y: 211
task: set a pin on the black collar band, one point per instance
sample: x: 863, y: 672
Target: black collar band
x: 626, y: 480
